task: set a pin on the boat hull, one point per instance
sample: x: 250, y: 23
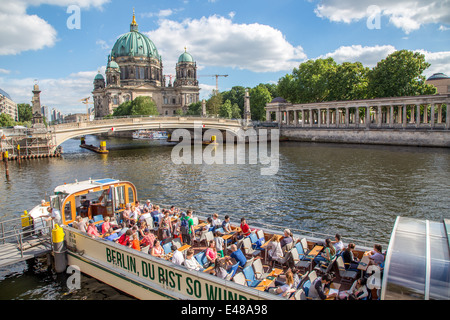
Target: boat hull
x: 145, y: 277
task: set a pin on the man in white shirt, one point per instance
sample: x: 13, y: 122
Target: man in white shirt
x: 177, y: 257
x: 54, y: 215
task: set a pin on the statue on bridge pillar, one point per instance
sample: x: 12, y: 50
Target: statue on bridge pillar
x: 203, y: 108
x: 247, y: 112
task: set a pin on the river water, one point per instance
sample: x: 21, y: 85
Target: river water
x: 356, y: 190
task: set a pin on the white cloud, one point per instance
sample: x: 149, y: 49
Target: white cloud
x: 22, y: 32
x: 60, y: 93
x: 5, y: 71
x: 404, y: 14
x: 368, y: 56
x: 217, y: 41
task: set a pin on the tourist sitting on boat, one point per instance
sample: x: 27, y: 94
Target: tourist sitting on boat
x: 328, y: 255
x: 106, y: 225
x: 338, y: 244
x: 81, y: 225
x: 92, y: 229
x: 211, y: 252
x: 177, y: 257
x: 126, y: 214
x: 134, y: 214
x: 245, y: 229
x: 134, y: 243
x: 124, y: 239
x: 287, y: 239
x: 219, y: 242
x: 287, y: 288
x: 216, y: 223
x: 226, y: 224
x: 220, y: 268
x: 350, y: 261
x: 358, y: 291
x: 237, y: 255
x: 275, y: 252
x: 148, y: 239
x: 192, y: 263
x: 145, y: 214
x: 376, y: 256
x: 157, y: 250
x: 317, y: 289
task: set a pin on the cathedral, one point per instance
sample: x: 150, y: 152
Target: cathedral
x: 135, y: 69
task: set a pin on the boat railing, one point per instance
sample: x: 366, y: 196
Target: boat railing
x: 297, y: 232
x: 12, y: 231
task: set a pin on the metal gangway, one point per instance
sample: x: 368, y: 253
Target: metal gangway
x: 21, y: 241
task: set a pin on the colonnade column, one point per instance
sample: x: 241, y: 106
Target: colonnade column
x: 432, y: 115
x: 417, y: 115
x: 379, y: 116
x: 328, y: 117
x: 367, y: 117
x: 357, y: 116
x: 303, y: 118
x: 295, y: 118
x: 404, y: 116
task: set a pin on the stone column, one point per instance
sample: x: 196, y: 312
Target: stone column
x: 311, y: 117
x: 447, y: 119
x: 379, y: 116
x: 367, y: 117
x: 417, y: 115
x: 328, y: 117
x: 413, y: 115
x: 357, y: 116
x: 268, y: 116
x: 347, y: 116
x: 432, y: 115
x: 425, y: 113
x: 319, y: 117
x: 439, y: 119
x: 296, y: 118
x: 203, y: 108
x: 404, y: 116
x: 337, y: 117
x: 303, y: 118
x: 391, y: 117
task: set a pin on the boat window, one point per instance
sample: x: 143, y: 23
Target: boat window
x: 119, y: 197
x: 130, y: 195
x: 68, y: 211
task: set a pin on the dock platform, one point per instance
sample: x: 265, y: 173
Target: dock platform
x: 11, y: 253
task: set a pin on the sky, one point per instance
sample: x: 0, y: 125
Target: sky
x: 63, y: 44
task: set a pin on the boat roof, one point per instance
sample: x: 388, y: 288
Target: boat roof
x: 78, y: 186
x: 418, y: 260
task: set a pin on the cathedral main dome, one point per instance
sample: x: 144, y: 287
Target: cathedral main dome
x: 135, y: 44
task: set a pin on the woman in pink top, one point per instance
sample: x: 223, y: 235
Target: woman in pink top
x: 157, y: 250
x: 92, y: 229
x: 106, y: 225
x: 211, y: 252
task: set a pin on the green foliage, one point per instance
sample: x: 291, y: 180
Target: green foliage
x: 143, y: 106
x: 6, y: 120
x: 194, y: 109
x: 225, y: 110
x: 213, y: 104
x: 259, y: 97
x: 25, y: 112
x: 400, y: 74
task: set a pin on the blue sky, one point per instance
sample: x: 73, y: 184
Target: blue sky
x: 251, y: 41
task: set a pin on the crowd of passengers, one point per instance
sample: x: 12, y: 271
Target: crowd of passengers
x: 132, y: 231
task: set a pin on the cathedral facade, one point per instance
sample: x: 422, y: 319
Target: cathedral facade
x: 135, y: 69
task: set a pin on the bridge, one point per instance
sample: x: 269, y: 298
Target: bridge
x: 65, y: 131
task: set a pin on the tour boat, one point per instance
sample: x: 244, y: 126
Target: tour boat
x: 411, y: 269
x: 143, y: 134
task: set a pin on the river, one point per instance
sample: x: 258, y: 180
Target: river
x: 356, y: 190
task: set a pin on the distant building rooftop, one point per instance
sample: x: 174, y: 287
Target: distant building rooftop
x: 438, y: 76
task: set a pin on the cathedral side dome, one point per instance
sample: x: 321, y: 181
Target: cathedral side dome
x: 185, y: 57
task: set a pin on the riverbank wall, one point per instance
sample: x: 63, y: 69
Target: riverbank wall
x: 400, y: 137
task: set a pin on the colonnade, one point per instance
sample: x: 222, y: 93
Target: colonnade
x: 400, y: 112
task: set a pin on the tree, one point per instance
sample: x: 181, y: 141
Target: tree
x: 235, y: 111
x: 400, y: 74
x: 259, y: 97
x: 225, y: 110
x: 236, y: 96
x: 25, y: 112
x: 143, y: 106
x: 213, y: 104
x: 348, y: 82
x: 6, y: 120
x: 194, y: 109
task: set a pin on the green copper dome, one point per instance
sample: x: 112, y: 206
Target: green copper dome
x: 185, y: 57
x: 134, y: 43
x: 113, y: 64
x: 99, y: 77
